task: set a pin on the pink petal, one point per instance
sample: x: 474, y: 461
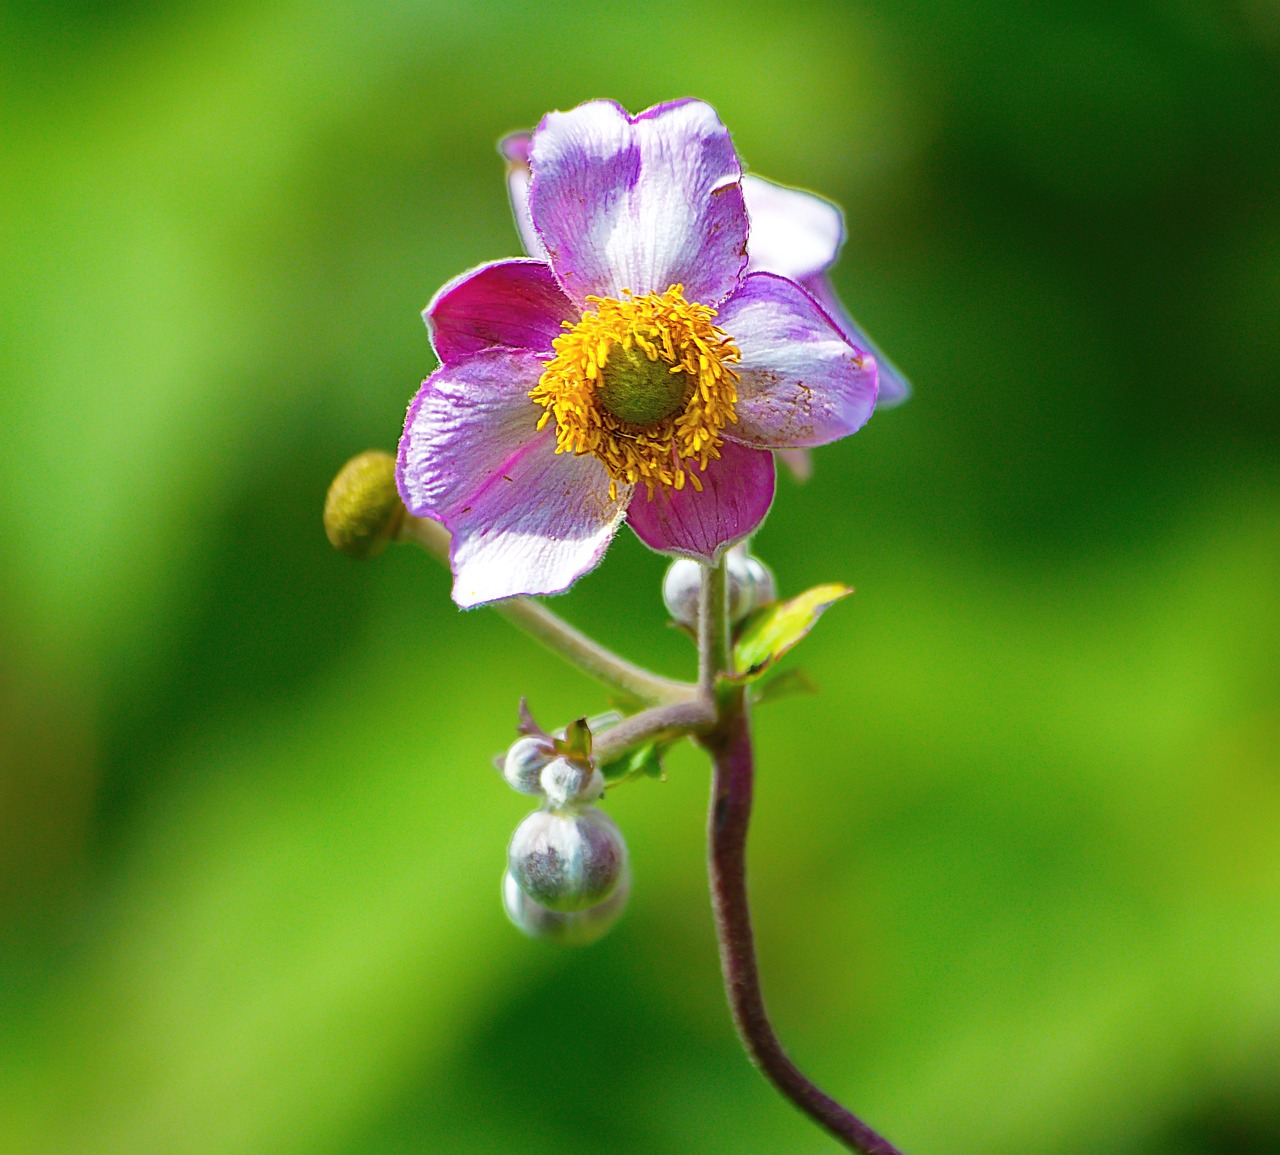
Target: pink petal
x: 525, y: 520
x: 737, y: 490
x: 639, y: 203
x: 536, y: 528
x: 517, y: 304
x: 802, y: 383
x: 894, y: 386
x: 793, y: 233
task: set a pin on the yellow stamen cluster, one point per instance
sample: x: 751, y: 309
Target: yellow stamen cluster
x: 669, y: 331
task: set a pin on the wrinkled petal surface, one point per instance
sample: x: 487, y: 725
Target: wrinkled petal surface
x: 515, y: 149
x: 737, y: 490
x: 517, y: 304
x: 802, y: 383
x: 536, y: 528
x: 524, y: 520
x: 894, y: 386
x: 793, y: 233
x: 639, y: 203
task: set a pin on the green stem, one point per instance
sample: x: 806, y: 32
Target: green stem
x: 632, y: 682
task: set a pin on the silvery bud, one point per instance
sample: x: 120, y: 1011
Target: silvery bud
x: 750, y: 585
x: 569, y: 782
x: 567, y: 860
x: 759, y: 579
x: 524, y: 763
x: 680, y: 589
x: 574, y: 928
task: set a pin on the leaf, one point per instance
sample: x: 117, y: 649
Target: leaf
x: 783, y: 685
x: 576, y: 743
x: 646, y: 759
x: 773, y: 630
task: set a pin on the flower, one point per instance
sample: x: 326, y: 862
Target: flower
x: 634, y: 367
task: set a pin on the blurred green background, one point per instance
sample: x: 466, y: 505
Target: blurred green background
x: 1016, y: 869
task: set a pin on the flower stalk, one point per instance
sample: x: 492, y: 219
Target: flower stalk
x: 728, y: 742
x: 626, y: 679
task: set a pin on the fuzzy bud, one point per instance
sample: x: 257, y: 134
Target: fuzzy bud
x: 524, y: 763
x: 750, y: 585
x: 568, y: 782
x: 363, y: 510
x: 574, y: 928
x: 567, y: 860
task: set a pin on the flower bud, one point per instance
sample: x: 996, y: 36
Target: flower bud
x: 568, y: 782
x: 567, y: 860
x: 574, y: 928
x: 524, y: 763
x: 750, y: 585
x: 363, y: 511
x: 759, y: 577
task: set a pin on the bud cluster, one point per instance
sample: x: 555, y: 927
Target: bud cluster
x: 751, y: 586
x: 567, y: 877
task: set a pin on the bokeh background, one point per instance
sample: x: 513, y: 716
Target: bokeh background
x: 1016, y: 869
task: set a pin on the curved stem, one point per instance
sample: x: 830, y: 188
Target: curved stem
x: 625, y: 678
x: 729, y: 744
x: 675, y: 720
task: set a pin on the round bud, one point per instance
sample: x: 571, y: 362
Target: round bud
x: 363, y: 511
x: 568, y: 783
x: 680, y: 589
x: 524, y: 763
x: 683, y: 581
x: 567, y: 860
x: 574, y: 928
x: 764, y: 589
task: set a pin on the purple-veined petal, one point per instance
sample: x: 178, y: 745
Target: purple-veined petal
x: 737, y: 490
x: 802, y: 384
x: 517, y: 304
x: 894, y: 387
x: 536, y: 527
x: 468, y: 419
x: 793, y: 233
x: 515, y: 149
x: 639, y: 203
x: 524, y: 519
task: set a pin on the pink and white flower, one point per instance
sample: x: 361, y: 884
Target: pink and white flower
x: 638, y: 365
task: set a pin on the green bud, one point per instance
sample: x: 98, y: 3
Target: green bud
x: 639, y: 391
x: 363, y: 511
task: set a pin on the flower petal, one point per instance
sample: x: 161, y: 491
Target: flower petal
x: 536, y: 528
x: 793, y: 233
x: 737, y: 490
x: 639, y: 203
x: 894, y: 387
x: 468, y: 419
x: 517, y: 304
x: 802, y: 383
x: 515, y: 148
x: 525, y: 520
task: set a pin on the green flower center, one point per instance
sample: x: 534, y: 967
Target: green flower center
x: 640, y: 391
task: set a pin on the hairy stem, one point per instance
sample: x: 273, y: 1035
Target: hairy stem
x: 729, y: 744
x: 632, y: 682
x: 675, y: 720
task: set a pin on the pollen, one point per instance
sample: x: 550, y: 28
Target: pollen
x: 646, y: 384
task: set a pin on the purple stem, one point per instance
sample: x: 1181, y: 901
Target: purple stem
x: 729, y: 745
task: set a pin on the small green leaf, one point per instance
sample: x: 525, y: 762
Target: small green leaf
x: 576, y: 743
x: 783, y: 685
x: 773, y: 630
x: 646, y: 759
